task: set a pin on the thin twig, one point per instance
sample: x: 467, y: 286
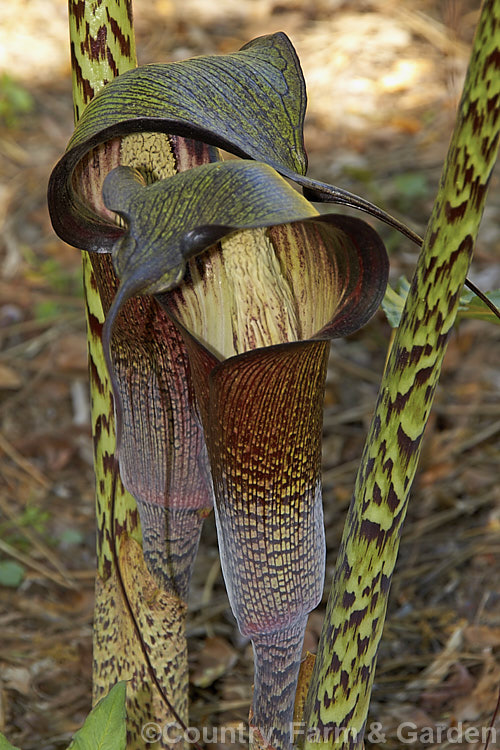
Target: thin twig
x: 23, y: 463
x: 36, y: 542
x: 11, y: 551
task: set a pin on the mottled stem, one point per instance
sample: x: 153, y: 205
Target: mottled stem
x: 277, y: 660
x: 139, y: 630
x: 341, y: 684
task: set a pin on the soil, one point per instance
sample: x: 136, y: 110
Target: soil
x: 384, y: 79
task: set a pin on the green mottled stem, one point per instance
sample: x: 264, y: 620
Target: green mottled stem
x: 341, y: 684
x: 102, y: 47
x: 277, y: 660
x: 139, y: 630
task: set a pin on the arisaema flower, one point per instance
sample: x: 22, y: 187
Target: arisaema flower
x: 253, y: 281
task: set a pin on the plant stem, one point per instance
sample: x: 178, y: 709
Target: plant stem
x: 340, y: 688
x: 277, y: 662
x: 139, y: 629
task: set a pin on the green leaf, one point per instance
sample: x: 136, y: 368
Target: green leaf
x: 105, y: 726
x: 15, y: 101
x: 470, y: 306
x: 410, y: 187
x: 394, y: 301
x: 5, y: 744
x: 70, y: 537
x: 11, y: 574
